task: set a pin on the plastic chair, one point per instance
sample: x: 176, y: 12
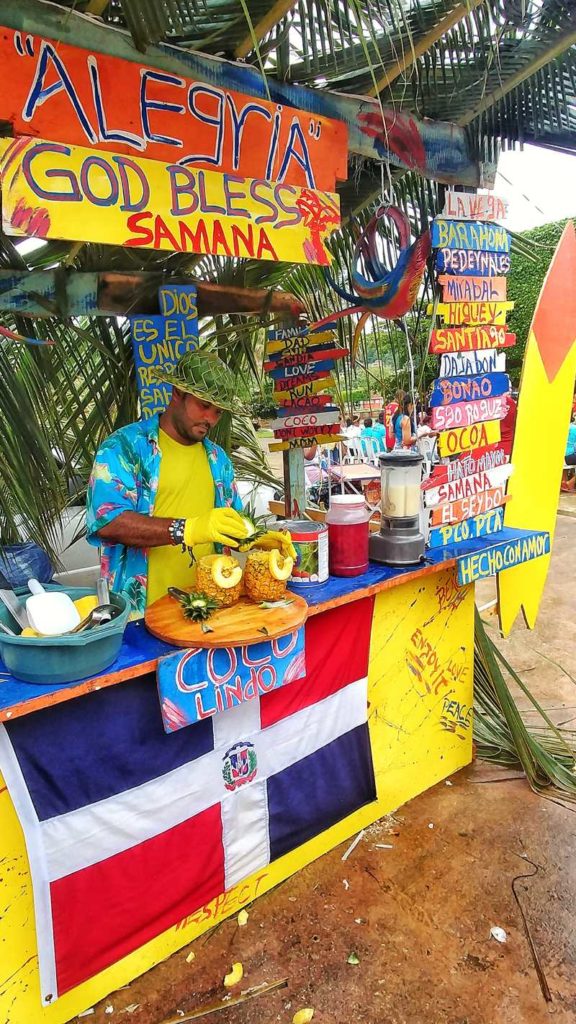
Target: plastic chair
x: 371, y: 450
x: 353, y: 451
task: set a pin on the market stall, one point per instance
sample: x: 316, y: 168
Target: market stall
x: 220, y: 749
x: 383, y: 712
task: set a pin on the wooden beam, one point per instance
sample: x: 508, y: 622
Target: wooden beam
x: 264, y: 26
x: 559, y: 46
x: 412, y: 53
x: 44, y: 293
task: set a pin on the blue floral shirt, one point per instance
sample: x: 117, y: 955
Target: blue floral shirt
x: 124, y: 478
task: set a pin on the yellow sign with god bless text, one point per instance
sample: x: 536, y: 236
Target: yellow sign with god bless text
x: 51, y: 190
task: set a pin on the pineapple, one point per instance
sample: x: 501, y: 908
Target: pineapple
x: 254, y: 530
x: 195, y: 606
x: 220, y: 576
x: 266, y: 575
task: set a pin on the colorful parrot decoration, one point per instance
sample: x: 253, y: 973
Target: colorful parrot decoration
x: 5, y: 332
x: 385, y: 293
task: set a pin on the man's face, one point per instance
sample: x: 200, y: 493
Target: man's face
x: 192, y: 417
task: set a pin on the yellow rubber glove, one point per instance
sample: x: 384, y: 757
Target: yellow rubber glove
x: 279, y: 539
x: 219, y: 526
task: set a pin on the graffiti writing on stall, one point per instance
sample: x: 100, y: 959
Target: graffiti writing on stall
x: 432, y: 673
x: 456, y: 717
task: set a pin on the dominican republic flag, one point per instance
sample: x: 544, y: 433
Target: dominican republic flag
x: 130, y: 829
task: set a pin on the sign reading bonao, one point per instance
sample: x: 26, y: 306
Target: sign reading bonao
x: 56, y: 91
x: 57, y: 191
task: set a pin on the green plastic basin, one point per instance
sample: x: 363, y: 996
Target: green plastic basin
x: 62, y: 659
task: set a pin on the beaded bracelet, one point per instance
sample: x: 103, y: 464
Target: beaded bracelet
x: 176, y: 531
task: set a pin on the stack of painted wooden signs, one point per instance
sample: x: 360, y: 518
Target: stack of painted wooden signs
x: 300, y: 362
x: 469, y: 398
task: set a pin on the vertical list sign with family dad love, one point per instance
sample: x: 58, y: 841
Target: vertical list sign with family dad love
x: 300, y: 363
x: 470, y: 397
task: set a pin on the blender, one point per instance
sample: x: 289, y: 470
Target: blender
x: 399, y: 541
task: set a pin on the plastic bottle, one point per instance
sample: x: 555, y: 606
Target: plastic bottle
x: 348, y: 535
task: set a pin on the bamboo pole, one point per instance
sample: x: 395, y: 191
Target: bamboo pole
x: 264, y: 26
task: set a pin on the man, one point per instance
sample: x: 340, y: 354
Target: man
x: 160, y: 490
x: 379, y: 429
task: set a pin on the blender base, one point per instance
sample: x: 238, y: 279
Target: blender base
x: 398, y: 547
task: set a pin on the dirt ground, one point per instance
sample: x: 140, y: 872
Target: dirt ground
x: 417, y: 898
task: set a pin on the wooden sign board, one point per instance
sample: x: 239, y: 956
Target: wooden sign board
x: 472, y: 289
x: 52, y: 90
x: 469, y: 529
x: 284, y: 433
x: 474, y: 206
x: 480, y: 460
x: 290, y: 400
x: 305, y: 442
x: 299, y: 343
x: 466, y: 486
x: 502, y: 556
x: 472, y: 262
x: 472, y: 313
x: 315, y: 356
x: 95, y: 196
x: 461, y: 363
x: 461, y: 234
x: 160, y: 341
x: 464, y: 414
x: 467, y: 508
x: 305, y: 419
x: 451, y: 390
x: 463, y: 439
x: 470, y: 339
x: 303, y: 390
x: 300, y: 331
x: 321, y: 377
x: 299, y: 374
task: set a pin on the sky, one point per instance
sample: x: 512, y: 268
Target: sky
x: 539, y: 186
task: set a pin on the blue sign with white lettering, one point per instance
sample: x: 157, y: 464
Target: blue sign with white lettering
x: 199, y: 683
x: 472, y: 263
x: 451, y: 390
x: 468, y: 529
x: 466, y: 234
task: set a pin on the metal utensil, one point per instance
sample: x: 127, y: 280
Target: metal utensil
x: 102, y: 591
x: 98, y: 616
x: 15, y: 607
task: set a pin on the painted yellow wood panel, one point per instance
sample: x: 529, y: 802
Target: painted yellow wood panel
x: 420, y: 696
x: 546, y: 389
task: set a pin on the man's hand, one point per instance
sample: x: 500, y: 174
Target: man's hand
x: 219, y: 526
x: 279, y: 539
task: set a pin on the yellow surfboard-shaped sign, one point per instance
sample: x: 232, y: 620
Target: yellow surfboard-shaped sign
x: 546, y: 389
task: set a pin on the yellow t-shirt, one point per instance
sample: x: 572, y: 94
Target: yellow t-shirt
x: 185, y: 489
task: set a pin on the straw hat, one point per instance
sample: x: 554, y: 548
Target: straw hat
x: 205, y: 376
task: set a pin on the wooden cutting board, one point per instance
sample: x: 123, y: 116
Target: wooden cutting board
x: 242, y: 623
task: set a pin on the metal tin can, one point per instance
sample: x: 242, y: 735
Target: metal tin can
x: 311, y: 542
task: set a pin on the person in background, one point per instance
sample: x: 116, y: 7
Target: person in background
x: 426, y: 443
x: 569, y: 484
x: 403, y: 426
x: 508, y: 424
x: 390, y: 411
x: 379, y: 429
x: 352, y: 428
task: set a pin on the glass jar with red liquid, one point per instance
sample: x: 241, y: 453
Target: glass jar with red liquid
x: 348, y: 531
